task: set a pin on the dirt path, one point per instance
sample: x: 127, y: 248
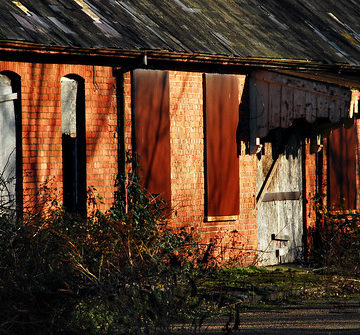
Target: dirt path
x: 298, y: 301
x: 325, y: 320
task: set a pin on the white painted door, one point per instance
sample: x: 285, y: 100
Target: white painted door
x: 280, y: 203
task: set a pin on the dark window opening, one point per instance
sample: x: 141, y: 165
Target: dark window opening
x: 73, y: 144
x: 11, y: 189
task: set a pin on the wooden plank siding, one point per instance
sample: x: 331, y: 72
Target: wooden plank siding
x: 281, y: 99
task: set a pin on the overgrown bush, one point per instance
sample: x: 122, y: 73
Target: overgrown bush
x: 336, y: 238
x: 125, y: 271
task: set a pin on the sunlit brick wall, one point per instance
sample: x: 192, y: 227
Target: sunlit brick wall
x: 310, y: 185
x: 127, y: 111
x: 187, y: 148
x: 42, y: 146
x: 231, y: 238
x: 42, y: 132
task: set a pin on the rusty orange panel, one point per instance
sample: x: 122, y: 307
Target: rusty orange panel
x: 222, y: 164
x: 342, y: 167
x: 152, y: 129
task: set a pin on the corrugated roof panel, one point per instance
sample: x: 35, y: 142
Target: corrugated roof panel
x: 327, y: 31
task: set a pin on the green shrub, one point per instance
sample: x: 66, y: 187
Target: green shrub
x: 125, y: 271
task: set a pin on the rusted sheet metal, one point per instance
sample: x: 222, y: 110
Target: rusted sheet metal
x: 222, y: 164
x: 342, y: 167
x: 152, y: 129
x: 279, y: 100
x: 281, y: 196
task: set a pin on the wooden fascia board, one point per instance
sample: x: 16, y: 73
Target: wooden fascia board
x: 176, y: 57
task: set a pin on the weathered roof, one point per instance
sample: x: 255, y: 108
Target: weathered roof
x: 327, y: 31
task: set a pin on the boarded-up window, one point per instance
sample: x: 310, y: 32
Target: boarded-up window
x: 222, y: 164
x: 342, y: 168
x: 152, y: 130
x: 73, y: 144
x: 7, y: 144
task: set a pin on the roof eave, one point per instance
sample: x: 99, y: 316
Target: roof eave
x: 160, y: 56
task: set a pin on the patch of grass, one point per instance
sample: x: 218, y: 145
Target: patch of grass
x: 265, y: 287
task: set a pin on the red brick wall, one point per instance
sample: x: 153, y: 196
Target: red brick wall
x: 231, y: 238
x: 42, y: 132
x: 127, y: 111
x: 187, y: 148
x: 42, y: 149
x: 187, y: 171
x: 247, y: 224
x: 42, y: 146
x: 310, y: 185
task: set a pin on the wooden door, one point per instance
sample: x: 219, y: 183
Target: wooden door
x: 280, y: 204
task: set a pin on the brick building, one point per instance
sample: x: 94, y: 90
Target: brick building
x: 241, y: 113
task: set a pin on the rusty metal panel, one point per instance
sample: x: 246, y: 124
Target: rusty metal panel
x: 222, y: 117
x: 152, y: 129
x: 342, y: 167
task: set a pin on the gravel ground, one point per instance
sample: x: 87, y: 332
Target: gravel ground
x: 299, y: 321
